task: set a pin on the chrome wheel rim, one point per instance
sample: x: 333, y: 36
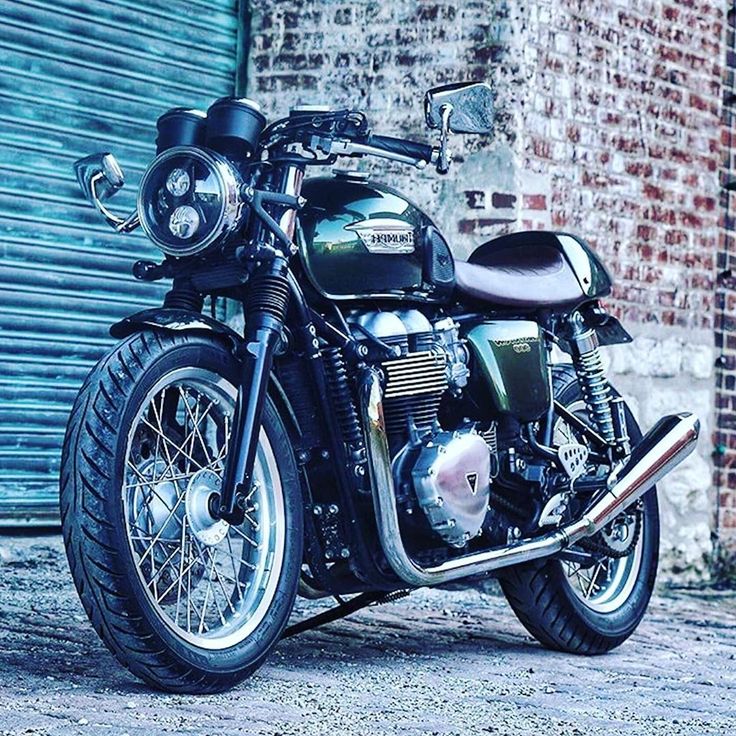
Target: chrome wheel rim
x: 210, y: 582
x: 607, y: 584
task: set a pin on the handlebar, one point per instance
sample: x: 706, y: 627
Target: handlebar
x: 346, y: 133
x: 402, y: 147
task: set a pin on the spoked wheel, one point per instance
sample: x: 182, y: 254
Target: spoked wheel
x: 594, y: 603
x: 185, y: 600
x: 606, y: 583
x: 210, y: 581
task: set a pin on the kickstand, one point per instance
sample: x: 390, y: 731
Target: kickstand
x: 344, y: 609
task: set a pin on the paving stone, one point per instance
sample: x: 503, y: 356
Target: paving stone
x: 437, y: 662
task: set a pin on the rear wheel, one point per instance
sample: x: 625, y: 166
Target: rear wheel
x: 591, y: 607
x: 187, y: 602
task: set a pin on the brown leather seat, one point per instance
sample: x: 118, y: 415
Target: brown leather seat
x: 521, y: 272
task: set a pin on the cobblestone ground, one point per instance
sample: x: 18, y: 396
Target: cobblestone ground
x: 437, y: 662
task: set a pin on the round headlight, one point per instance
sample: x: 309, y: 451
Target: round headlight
x: 189, y: 199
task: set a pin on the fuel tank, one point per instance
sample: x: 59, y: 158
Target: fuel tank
x: 362, y: 240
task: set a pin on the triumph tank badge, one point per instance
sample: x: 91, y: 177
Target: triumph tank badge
x: 384, y: 235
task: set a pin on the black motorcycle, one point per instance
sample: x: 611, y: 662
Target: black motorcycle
x: 390, y: 418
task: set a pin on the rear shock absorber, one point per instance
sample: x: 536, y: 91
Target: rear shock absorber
x: 588, y: 364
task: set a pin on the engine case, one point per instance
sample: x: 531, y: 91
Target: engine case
x: 447, y: 473
x: 451, y: 478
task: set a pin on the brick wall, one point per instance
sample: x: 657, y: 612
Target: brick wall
x: 725, y: 476
x: 608, y: 124
x: 622, y: 119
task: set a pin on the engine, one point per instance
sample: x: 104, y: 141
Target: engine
x: 445, y: 472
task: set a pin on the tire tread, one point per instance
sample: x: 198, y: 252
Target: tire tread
x: 89, y: 538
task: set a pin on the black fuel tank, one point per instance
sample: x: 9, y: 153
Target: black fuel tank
x: 361, y: 240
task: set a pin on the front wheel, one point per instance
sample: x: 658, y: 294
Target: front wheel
x: 185, y: 601
x: 592, y: 607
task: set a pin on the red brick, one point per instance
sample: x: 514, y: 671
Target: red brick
x: 503, y: 200
x: 535, y: 202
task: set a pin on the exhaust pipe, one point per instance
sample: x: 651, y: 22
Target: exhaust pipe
x: 666, y: 445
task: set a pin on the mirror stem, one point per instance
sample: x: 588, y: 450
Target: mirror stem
x: 443, y: 161
x: 119, y: 224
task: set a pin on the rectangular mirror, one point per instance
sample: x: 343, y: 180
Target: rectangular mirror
x: 468, y: 105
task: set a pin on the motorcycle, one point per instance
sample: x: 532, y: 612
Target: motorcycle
x: 389, y: 417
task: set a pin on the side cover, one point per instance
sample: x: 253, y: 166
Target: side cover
x: 509, y: 367
x: 361, y: 240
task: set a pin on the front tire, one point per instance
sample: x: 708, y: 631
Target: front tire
x: 594, y: 610
x: 184, y: 601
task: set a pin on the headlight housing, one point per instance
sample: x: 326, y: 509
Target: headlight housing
x: 189, y: 199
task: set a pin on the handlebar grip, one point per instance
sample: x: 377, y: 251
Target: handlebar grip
x: 420, y: 151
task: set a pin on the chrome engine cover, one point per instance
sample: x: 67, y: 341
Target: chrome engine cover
x: 451, y: 479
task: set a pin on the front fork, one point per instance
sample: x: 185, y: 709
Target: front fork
x: 265, y: 313
x: 265, y: 309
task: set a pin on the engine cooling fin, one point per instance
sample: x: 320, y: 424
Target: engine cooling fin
x: 414, y: 386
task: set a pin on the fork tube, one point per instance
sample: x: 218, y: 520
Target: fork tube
x: 265, y: 312
x: 265, y: 309
x: 291, y: 184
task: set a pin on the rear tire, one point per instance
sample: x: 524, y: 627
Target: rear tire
x: 120, y: 584
x: 553, y: 611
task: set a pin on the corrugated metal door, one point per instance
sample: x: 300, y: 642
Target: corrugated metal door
x: 79, y: 76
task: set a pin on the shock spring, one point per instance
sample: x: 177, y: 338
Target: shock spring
x: 337, y: 380
x: 592, y: 378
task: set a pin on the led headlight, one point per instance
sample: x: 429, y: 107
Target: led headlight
x: 184, y: 222
x: 189, y: 199
x: 178, y: 182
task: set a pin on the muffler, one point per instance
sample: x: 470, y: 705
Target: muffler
x: 664, y: 447
x: 667, y: 444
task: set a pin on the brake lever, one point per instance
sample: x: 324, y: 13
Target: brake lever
x: 343, y: 147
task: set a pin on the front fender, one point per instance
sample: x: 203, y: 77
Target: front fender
x: 174, y: 320
x: 182, y: 320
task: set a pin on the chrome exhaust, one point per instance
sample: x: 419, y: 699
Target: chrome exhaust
x: 667, y: 444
